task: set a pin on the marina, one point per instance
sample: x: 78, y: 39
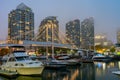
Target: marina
x: 19, y: 65
x: 86, y: 71
x: 66, y: 67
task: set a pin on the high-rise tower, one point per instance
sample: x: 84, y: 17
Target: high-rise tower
x: 49, y: 30
x: 87, y: 33
x: 20, y: 24
x: 73, y: 32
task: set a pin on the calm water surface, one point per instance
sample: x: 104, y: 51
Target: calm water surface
x: 87, y: 71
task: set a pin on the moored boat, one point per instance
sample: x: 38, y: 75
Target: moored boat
x: 116, y: 72
x: 52, y: 63
x: 20, y: 62
x: 8, y: 74
x: 100, y: 57
x: 68, y: 59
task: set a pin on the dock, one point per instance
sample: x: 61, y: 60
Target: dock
x: 9, y: 74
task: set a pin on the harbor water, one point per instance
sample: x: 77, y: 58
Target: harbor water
x: 86, y: 71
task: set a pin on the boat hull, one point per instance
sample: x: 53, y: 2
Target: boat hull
x: 8, y: 74
x: 27, y: 70
x: 116, y: 72
x: 101, y: 59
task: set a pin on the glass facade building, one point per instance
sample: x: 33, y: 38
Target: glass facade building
x: 49, y: 30
x: 73, y: 32
x: 102, y: 40
x: 20, y: 24
x: 87, y: 33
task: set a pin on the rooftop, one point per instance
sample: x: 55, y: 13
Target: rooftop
x: 22, y: 6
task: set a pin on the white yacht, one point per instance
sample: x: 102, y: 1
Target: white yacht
x: 66, y: 58
x: 100, y: 57
x: 116, y: 72
x: 21, y: 63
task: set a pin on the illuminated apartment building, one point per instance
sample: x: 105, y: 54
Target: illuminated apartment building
x: 87, y: 33
x: 20, y: 24
x: 73, y: 32
x: 48, y: 30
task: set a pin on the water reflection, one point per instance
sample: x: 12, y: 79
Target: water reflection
x: 104, y: 70
x: 87, y: 71
x: 119, y: 64
x: 55, y: 74
x: 28, y: 78
x: 22, y: 78
x: 84, y: 72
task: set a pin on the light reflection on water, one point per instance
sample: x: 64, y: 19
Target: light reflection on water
x: 28, y: 78
x: 87, y: 71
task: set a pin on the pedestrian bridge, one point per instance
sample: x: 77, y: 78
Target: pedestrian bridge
x: 40, y: 44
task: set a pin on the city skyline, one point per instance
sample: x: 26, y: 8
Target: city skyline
x: 105, y: 13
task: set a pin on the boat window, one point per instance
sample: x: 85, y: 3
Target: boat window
x: 16, y: 64
x: 12, y: 59
x: 20, y: 58
x: 19, y: 65
x: 27, y: 58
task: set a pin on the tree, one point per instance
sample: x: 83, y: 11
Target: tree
x: 4, y: 51
x: 112, y: 49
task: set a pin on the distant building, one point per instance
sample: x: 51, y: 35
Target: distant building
x: 73, y: 32
x: 101, y: 40
x: 20, y: 24
x: 118, y: 36
x: 87, y: 33
x: 49, y: 30
x: 3, y: 41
